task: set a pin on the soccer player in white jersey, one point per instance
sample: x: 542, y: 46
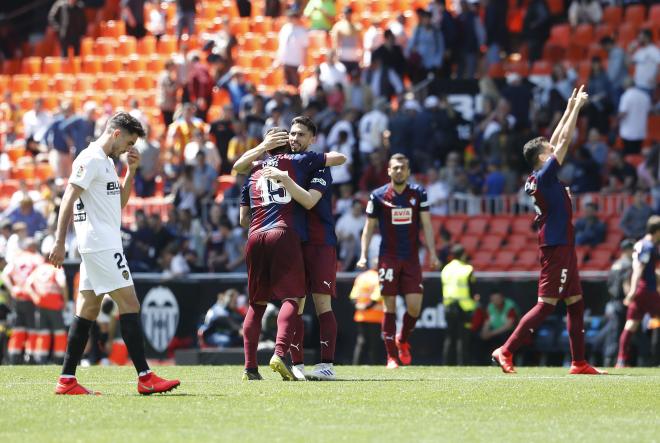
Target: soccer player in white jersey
x: 94, y: 198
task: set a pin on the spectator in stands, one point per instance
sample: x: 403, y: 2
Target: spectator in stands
x: 67, y: 18
x: 390, y: 54
x: 445, y: 21
x: 185, y: 197
x: 437, y: 192
x: 373, y: 37
x: 495, y: 181
x: 497, y: 33
x: 15, y: 240
x: 597, y: 148
x: 349, y: 230
x: 273, y: 8
x: 616, y: 65
x: 26, y: 213
x: 585, y: 11
x: 634, y: 108
x: 536, y: 28
x: 185, y: 17
x: 162, y: 235
x: 600, y: 92
x: 618, y: 285
x: 222, y: 323
x: 80, y: 129
x: 646, y: 58
x: 36, y: 121
x: 332, y: 71
x: 191, y: 232
x: 216, y: 258
x: 167, y: 92
x: 371, y: 128
x: 180, y: 133
x: 244, y: 8
x: 321, y: 14
x: 501, y: 317
x: 384, y: 82
x: 222, y: 132
x: 235, y: 242
x: 359, y: 95
x: 589, y: 230
x: 586, y: 175
x: 519, y: 96
x: 309, y: 86
x: 5, y: 233
x: 398, y: 28
x: 156, y: 23
x: 375, y: 174
x: 132, y: 13
x: 204, y: 179
x: 255, y: 118
x: 173, y: 263
x: 200, y: 86
x: 145, y: 177
x: 347, y: 41
x: 201, y: 143
x: 292, y: 48
x: 622, y: 175
x: 473, y: 36
x: 425, y: 49
x: 240, y: 143
x: 59, y: 155
x: 140, y: 250
x: 635, y: 216
x: 342, y: 174
x: 452, y: 169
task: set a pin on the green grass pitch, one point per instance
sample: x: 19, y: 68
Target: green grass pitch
x: 412, y: 404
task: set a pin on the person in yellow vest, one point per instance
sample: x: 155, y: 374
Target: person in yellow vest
x: 368, y: 317
x: 47, y: 287
x: 457, y: 280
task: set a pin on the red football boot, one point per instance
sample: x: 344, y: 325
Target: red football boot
x: 504, y: 360
x: 585, y: 368
x: 153, y: 384
x: 392, y: 363
x: 70, y: 386
x: 404, y: 352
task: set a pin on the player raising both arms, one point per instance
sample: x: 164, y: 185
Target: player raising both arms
x: 398, y: 208
x: 273, y: 252
x: 319, y: 252
x: 559, y: 279
x: 94, y: 199
x: 643, y: 295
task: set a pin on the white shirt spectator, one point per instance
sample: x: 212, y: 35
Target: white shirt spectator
x: 646, y: 61
x: 333, y: 135
x: 437, y: 194
x: 178, y: 266
x: 293, y: 40
x: 331, y: 74
x: 636, y: 105
x: 211, y: 154
x: 371, y: 128
x: 399, y: 32
x: 342, y: 174
x: 36, y: 123
x: 373, y: 38
x: 348, y: 225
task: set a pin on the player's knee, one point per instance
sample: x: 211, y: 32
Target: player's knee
x: 389, y: 304
x: 322, y: 303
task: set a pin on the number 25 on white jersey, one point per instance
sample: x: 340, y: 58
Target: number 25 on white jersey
x: 272, y: 192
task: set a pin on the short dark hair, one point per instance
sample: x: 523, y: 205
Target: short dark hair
x: 653, y: 224
x: 607, y: 40
x: 458, y: 251
x: 646, y: 33
x: 276, y: 129
x: 400, y: 157
x: 306, y: 122
x: 125, y: 122
x: 533, y: 149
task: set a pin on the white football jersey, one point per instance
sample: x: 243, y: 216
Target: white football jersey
x: 97, y: 213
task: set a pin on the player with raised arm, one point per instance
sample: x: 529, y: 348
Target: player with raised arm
x: 94, y: 198
x: 559, y: 279
x: 643, y: 296
x: 398, y: 208
x: 319, y: 252
x: 274, y: 258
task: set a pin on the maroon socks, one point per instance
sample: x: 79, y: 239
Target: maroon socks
x: 408, y: 325
x: 528, y: 325
x: 575, y: 326
x: 251, y: 333
x: 389, y: 334
x: 286, y: 326
x: 296, y: 348
x: 328, y: 332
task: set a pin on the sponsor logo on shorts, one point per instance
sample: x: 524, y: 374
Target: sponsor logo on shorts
x: 327, y: 283
x: 401, y: 216
x: 125, y: 274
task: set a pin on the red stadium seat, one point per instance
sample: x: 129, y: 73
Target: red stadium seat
x: 490, y: 243
x: 476, y: 226
x: 554, y: 53
x: 528, y: 258
x: 541, y: 67
x: 517, y: 242
x: 627, y: 33
x: 561, y: 35
x: 583, y: 35
x: 654, y: 14
x: 470, y: 243
x: 481, y: 259
x: 603, y: 30
x: 653, y: 128
x: 612, y: 16
x: 31, y: 65
x: 523, y: 225
x: 581, y: 252
x: 500, y: 226
x: 576, y: 53
x: 635, y: 15
x: 504, y: 258
x: 455, y: 226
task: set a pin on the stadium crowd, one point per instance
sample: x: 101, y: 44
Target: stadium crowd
x: 381, y: 89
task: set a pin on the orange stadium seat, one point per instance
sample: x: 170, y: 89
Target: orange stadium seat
x: 31, y: 65
x: 63, y: 83
x: 145, y: 82
x: 112, y: 65
x: 470, y: 243
x: 156, y: 63
x: 167, y: 45
x: 517, y: 242
x: 561, y: 35
x: 146, y: 45
x: 523, y: 225
x: 496, y: 70
x: 490, y: 243
x: 124, y: 82
x: 92, y: 65
x: 553, y: 52
x: 39, y: 84
x: 654, y: 14
x: 503, y: 261
x: 482, y: 259
x: 627, y: 33
x: 581, y: 252
x: 136, y: 63
x: 43, y: 171
x: 603, y: 30
x: 104, y: 46
x: 261, y: 25
x: 240, y: 26
x: 11, y: 67
x: 103, y: 83
x: 127, y: 45
x: 528, y: 258
x: 612, y: 15
x: 635, y: 15
x: 52, y: 65
x: 576, y: 53
x: 541, y: 67
x: 654, y: 128
x: 556, y: 7
x: 583, y: 35
x: 476, y: 226
x: 500, y: 226
x: 455, y: 226
x: 113, y: 28
x: 20, y: 83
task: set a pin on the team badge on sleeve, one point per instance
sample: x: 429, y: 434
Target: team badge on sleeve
x: 80, y: 171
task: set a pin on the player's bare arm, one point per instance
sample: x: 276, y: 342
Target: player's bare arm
x: 71, y: 194
x: 367, y: 233
x: 333, y: 158
x: 307, y: 199
x: 566, y: 134
x: 271, y: 141
x: 425, y: 218
x: 637, y: 270
x: 133, y: 161
x: 564, y: 117
x: 244, y: 216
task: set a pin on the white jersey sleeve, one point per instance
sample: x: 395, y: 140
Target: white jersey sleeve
x: 84, y: 171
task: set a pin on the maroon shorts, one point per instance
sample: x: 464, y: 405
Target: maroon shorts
x: 645, y: 301
x: 320, y: 268
x: 275, y: 265
x: 399, y: 277
x: 559, y: 272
